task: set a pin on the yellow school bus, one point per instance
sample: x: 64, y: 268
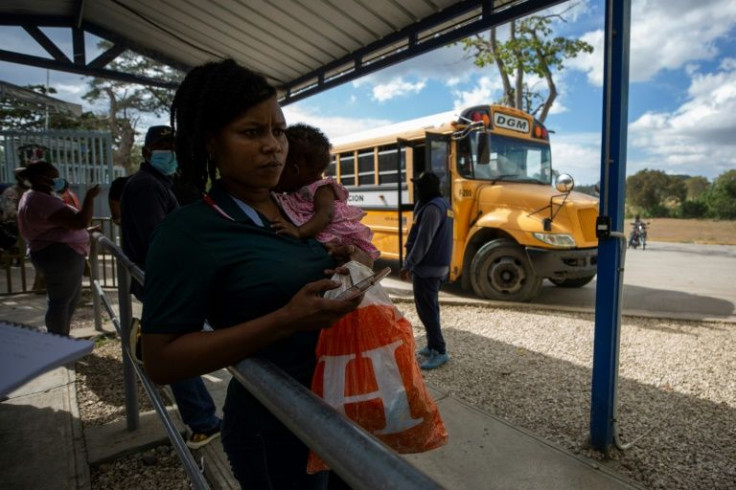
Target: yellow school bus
x: 513, y: 226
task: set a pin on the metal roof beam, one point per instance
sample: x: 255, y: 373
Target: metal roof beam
x: 61, y: 62
x: 46, y: 43
x: 68, y: 66
x: 305, y: 86
x: 134, y: 46
x: 80, y: 55
x: 109, y: 55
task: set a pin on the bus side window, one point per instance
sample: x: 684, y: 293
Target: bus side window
x: 366, y: 167
x: 387, y: 164
x: 347, y: 169
x: 331, y: 170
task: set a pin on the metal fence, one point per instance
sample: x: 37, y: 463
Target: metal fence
x: 83, y: 158
x: 360, y: 459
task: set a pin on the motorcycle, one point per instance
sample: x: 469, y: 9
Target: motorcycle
x: 638, y: 235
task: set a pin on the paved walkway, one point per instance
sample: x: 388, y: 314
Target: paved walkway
x: 43, y: 446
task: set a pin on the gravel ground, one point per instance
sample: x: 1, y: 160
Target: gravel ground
x: 101, y: 400
x: 677, y: 392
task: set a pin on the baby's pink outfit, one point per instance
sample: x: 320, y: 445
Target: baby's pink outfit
x: 345, y: 227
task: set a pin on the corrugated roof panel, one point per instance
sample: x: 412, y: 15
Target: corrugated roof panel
x: 288, y: 28
x: 222, y: 34
x: 294, y: 43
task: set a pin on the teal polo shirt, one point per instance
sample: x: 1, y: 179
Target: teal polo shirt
x: 202, y: 266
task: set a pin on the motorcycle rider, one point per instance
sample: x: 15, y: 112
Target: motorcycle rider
x: 638, y: 234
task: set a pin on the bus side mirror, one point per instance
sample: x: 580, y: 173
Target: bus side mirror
x: 564, y: 183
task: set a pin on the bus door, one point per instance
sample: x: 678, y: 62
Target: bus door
x: 401, y: 145
x: 437, y: 158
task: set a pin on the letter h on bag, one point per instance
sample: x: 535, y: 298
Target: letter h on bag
x: 391, y: 390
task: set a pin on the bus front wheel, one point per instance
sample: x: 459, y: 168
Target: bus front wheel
x: 501, y: 271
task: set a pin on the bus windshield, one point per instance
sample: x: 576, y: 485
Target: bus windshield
x: 486, y: 156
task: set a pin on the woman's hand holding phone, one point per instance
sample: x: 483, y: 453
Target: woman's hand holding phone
x: 364, y: 285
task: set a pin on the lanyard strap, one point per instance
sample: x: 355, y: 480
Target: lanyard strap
x: 212, y: 204
x: 251, y: 213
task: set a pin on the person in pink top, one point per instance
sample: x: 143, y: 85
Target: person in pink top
x: 316, y: 206
x: 57, y: 240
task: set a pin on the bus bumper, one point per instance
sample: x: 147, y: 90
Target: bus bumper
x: 564, y: 264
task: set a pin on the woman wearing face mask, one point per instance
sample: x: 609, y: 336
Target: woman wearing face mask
x: 57, y: 239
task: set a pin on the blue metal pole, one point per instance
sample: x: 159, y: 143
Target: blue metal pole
x: 613, y: 180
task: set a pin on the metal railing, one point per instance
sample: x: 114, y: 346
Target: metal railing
x: 360, y: 459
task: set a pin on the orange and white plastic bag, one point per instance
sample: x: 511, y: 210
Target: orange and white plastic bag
x: 366, y: 369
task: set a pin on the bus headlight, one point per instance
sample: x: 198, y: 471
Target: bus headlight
x: 561, y: 240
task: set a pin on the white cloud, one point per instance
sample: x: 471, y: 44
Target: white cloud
x: 333, y: 126
x: 591, y: 63
x: 452, y: 81
x: 578, y: 155
x: 697, y: 138
x: 396, y: 88
x: 78, y: 89
x: 485, y: 91
x: 665, y: 35
x: 435, y: 65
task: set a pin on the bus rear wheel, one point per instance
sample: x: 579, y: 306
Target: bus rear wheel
x: 501, y: 271
x: 577, y: 282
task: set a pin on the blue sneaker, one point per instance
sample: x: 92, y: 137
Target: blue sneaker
x: 425, y: 352
x: 434, y: 360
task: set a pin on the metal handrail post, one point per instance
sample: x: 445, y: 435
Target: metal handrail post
x: 94, y: 281
x: 126, y: 316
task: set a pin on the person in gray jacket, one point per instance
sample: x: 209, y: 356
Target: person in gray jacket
x: 428, y: 253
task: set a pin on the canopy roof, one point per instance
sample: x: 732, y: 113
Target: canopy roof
x: 301, y: 46
x: 26, y: 97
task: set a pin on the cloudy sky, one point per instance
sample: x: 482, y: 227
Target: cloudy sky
x: 682, y: 99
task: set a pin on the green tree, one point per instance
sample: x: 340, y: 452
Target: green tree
x: 721, y: 199
x: 128, y: 101
x: 647, y: 190
x: 529, y: 49
x: 696, y: 187
x: 695, y: 209
x: 655, y: 193
x: 676, y: 190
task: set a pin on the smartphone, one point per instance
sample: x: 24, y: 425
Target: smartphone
x: 364, y: 285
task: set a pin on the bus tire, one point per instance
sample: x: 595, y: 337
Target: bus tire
x: 577, y: 282
x: 501, y: 271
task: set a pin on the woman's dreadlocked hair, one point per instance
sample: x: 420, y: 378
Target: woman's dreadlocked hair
x: 209, y: 98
